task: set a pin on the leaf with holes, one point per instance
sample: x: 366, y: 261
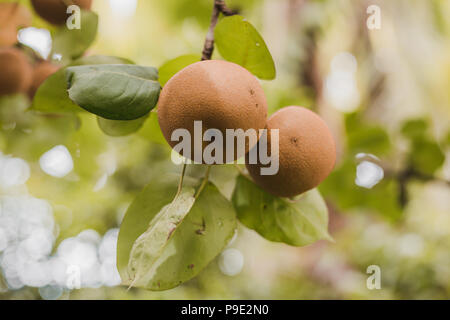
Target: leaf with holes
x: 152, y: 131
x: 296, y: 222
x: 197, y: 240
x: 149, y: 247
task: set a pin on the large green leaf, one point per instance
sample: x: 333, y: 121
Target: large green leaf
x: 71, y: 44
x: 296, y: 222
x: 239, y: 42
x: 197, y: 240
x: 145, y: 206
x: 52, y: 96
x: 171, y: 67
x: 115, y: 92
x: 149, y: 247
x: 120, y: 128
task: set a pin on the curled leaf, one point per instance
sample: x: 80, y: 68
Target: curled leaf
x: 178, y: 254
x: 150, y: 245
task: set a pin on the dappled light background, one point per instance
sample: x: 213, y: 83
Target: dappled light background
x: 385, y: 93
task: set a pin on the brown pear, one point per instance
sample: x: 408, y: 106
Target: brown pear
x: 55, y: 11
x: 222, y: 95
x: 307, y: 153
x: 13, y: 16
x: 41, y: 72
x: 15, y: 71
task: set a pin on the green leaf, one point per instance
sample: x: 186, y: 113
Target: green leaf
x: 197, y: 240
x: 426, y: 156
x: 115, y: 92
x: 369, y: 139
x: 152, y: 131
x: 12, y: 110
x: 414, y: 128
x: 224, y: 178
x: 71, y: 44
x: 149, y: 247
x: 52, y: 96
x: 3, y: 285
x: 145, y: 206
x: 239, y: 42
x: 171, y: 67
x: 120, y: 128
x: 446, y: 140
x: 340, y: 188
x: 296, y: 222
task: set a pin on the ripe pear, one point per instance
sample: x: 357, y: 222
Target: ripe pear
x: 41, y: 72
x: 307, y: 153
x: 15, y: 71
x: 12, y: 17
x: 220, y: 94
x: 55, y: 11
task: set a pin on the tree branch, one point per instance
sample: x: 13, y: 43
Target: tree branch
x: 223, y: 8
x: 407, y: 175
x: 403, y: 177
x: 219, y: 7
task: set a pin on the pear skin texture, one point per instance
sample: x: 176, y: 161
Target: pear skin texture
x: 41, y: 72
x: 221, y: 94
x: 307, y: 153
x: 13, y: 16
x: 16, y: 71
x: 55, y: 11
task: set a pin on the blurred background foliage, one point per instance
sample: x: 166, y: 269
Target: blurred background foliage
x: 385, y: 93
